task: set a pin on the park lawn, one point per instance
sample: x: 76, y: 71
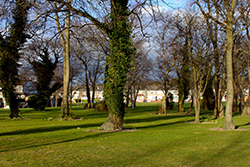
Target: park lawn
x: 40, y: 139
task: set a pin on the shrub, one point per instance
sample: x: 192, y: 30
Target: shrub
x: 37, y: 102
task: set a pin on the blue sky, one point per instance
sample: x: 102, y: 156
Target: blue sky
x: 176, y: 3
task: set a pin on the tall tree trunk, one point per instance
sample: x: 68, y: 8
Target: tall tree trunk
x: 93, y: 96
x: 230, y: 7
x: 119, y: 62
x: 87, y: 87
x: 65, y: 38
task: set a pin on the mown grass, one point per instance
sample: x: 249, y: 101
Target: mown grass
x: 40, y: 139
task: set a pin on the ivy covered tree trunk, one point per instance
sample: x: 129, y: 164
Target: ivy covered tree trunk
x: 119, y: 62
x: 9, y: 55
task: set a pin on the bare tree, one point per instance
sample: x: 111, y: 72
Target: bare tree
x: 229, y: 14
x: 91, y: 49
x: 167, y: 55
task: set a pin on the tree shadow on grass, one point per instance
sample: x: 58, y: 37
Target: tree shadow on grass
x: 94, y: 115
x: 162, y: 124
x: 155, y: 118
x: 48, y: 129
x: 56, y: 142
x: 234, y: 148
x: 238, y: 126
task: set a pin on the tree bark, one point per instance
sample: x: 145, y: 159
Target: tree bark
x: 56, y: 98
x: 65, y: 38
x: 229, y: 125
x: 163, y: 109
x: 197, y: 108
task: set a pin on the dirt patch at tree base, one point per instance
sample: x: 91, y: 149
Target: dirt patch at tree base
x: 110, y: 131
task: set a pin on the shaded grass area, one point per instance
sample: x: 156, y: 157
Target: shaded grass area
x: 157, y: 140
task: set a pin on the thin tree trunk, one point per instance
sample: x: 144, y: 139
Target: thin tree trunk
x: 221, y: 94
x: 127, y: 97
x: 87, y: 87
x: 56, y: 98
x: 93, y: 96
x: 132, y: 99
x: 191, y: 105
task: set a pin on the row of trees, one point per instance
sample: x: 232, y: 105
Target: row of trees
x: 199, y: 48
x: 109, y: 18
x: 203, y: 46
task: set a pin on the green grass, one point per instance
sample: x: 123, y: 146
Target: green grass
x: 39, y: 139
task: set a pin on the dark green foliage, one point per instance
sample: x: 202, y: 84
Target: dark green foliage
x: 44, y: 71
x: 170, y: 103
x: 37, y: 102
x: 9, y: 53
x: 184, y: 75
x: 208, y: 96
